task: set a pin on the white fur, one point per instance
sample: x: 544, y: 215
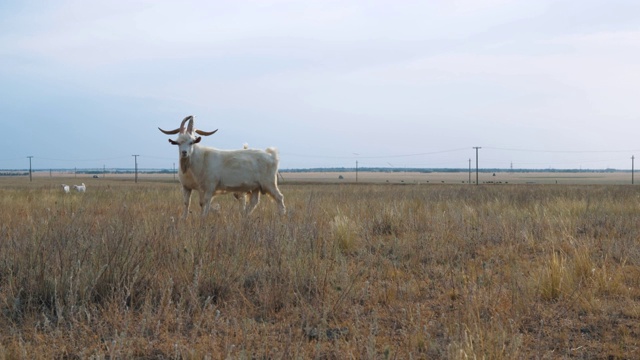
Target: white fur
x: 65, y: 188
x: 80, y: 188
x: 211, y: 171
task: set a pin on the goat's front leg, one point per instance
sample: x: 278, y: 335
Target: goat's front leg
x: 205, y: 201
x: 186, y: 195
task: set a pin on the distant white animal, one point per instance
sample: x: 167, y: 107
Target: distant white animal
x: 211, y: 171
x: 65, y: 188
x: 80, y: 188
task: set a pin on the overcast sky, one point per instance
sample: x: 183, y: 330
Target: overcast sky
x: 536, y: 84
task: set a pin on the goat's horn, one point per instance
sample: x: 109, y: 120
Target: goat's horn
x: 190, y: 126
x: 188, y: 118
x: 170, y: 132
x: 178, y: 130
x: 206, y: 133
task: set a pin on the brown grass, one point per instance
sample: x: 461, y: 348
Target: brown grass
x: 352, y: 271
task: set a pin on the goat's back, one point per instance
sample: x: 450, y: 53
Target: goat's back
x: 245, y: 169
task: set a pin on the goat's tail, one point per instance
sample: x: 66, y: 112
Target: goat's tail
x: 274, y: 153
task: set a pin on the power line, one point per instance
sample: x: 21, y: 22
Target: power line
x: 562, y: 151
x: 157, y: 157
x: 12, y: 159
x: 375, y: 156
x: 557, y: 163
x: 74, y: 160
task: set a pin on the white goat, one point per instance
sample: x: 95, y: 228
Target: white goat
x: 211, y: 171
x: 65, y: 188
x: 240, y: 196
x: 80, y: 188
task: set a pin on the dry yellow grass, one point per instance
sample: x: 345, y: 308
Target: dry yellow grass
x: 352, y: 271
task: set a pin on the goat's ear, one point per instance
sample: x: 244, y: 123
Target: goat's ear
x: 173, y: 142
x: 197, y: 140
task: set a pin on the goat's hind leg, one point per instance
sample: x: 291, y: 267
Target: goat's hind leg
x: 275, y: 193
x: 255, y: 199
x: 280, y: 200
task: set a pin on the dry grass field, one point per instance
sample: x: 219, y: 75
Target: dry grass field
x: 398, y: 270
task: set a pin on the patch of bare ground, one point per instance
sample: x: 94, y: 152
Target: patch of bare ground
x: 352, y: 271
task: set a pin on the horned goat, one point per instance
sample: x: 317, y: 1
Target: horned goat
x: 65, y: 188
x: 80, y: 188
x: 211, y: 171
x: 241, y: 196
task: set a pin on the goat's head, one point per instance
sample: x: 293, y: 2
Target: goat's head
x: 187, y: 138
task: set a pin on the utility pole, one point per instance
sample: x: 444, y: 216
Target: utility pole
x: 30, y: 157
x: 632, y: 168
x: 477, y: 148
x: 136, y: 160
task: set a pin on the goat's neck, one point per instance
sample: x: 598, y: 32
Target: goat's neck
x: 187, y: 164
x: 184, y: 165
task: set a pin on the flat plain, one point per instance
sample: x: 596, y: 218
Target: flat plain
x: 397, y: 265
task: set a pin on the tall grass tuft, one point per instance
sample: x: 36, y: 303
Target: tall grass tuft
x: 345, y: 233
